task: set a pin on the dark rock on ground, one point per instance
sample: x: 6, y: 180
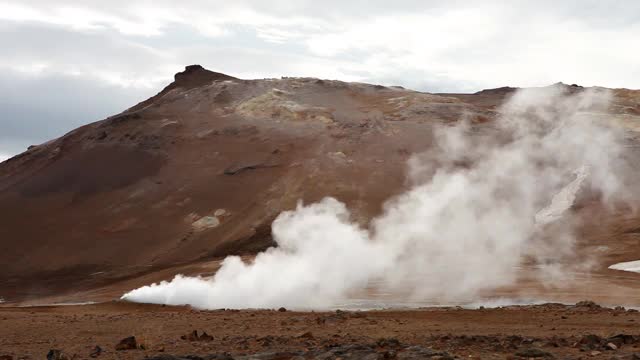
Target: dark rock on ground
x: 128, y: 343
x: 622, y: 339
x: 611, y: 346
x: 591, y: 341
x: 55, y: 354
x: 191, y: 357
x: 306, y: 335
x: 587, y: 304
x: 96, y: 352
x: 344, y: 352
x: 419, y: 352
x: 533, y: 353
x: 389, y: 342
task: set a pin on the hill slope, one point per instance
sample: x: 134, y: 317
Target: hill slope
x: 200, y: 171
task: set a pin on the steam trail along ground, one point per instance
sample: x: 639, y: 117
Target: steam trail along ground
x: 200, y: 171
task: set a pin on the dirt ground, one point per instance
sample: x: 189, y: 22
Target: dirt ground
x: 584, y: 330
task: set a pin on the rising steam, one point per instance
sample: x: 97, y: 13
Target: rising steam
x: 484, y: 200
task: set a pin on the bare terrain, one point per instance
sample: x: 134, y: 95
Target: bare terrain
x: 546, y: 331
x: 200, y: 171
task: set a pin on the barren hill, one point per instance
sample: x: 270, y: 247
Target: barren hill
x: 200, y: 171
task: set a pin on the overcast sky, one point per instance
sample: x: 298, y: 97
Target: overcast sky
x: 67, y: 63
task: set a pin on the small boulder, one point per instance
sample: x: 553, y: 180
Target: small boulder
x: 611, y: 346
x: 205, y: 337
x: 591, y: 341
x: 220, y: 212
x: 622, y: 339
x: 55, y: 354
x: 388, y: 342
x: 206, y: 222
x: 128, y: 343
x: 533, y: 353
x: 587, y: 304
x: 193, y: 336
x: 306, y: 335
x: 96, y: 352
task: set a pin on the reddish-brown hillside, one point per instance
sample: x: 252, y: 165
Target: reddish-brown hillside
x: 201, y: 169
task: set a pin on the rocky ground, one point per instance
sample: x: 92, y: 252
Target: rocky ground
x: 118, y: 330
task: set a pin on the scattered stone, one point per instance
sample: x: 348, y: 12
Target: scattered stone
x: 587, y: 304
x: 193, y: 336
x: 220, y: 212
x: 591, y: 341
x: 358, y: 315
x: 611, y: 346
x: 419, y: 352
x: 306, y: 335
x: 223, y: 356
x: 622, y: 339
x: 96, y: 352
x: 236, y: 169
x: 345, y: 352
x: 533, y: 353
x: 205, y: 337
x: 389, y: 342
x: 55, y: 354
x: 595, y: 353
x: 128, y: 343
x: 206, y: 222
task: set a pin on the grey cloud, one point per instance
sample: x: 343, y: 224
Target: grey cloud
x: 36, y: 109
x: 89, y: 72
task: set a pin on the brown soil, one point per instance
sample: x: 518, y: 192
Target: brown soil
x: 581, y: 331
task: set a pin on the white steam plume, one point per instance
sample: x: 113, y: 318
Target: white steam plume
x: 471, y: 218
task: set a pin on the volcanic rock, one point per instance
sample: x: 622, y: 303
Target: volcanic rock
x: 96, y: 352
x: 128, y: 343
x: 591, y: 341
x: 533, y: 353
x: 55, y: 354
x: 194, y: 336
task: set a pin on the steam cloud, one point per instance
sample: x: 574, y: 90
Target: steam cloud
x: 483, y: 201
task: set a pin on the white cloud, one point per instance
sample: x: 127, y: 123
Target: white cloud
x: 437, y: 46
x: 471, y: 46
